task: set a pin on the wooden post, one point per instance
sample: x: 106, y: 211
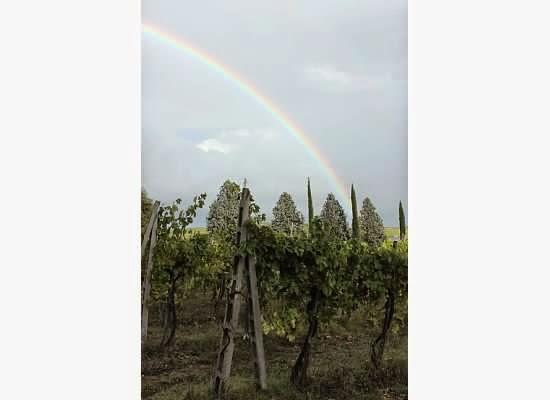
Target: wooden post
x: 147, y: 233
x: 231, y: 319
x: 255, y: 324
x: 147, y: 282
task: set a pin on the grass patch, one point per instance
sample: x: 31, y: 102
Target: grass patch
x: 339, y: 365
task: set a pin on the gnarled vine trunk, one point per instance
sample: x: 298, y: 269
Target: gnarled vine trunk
x: 299, y: 371
x: 377, y: 347
x: 219, y: 292
x: 170, y: 321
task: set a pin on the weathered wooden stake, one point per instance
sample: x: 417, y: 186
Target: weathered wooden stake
x: 147, y: 234
x: 231, y: 320
x: 146, y: 291
x: 255, y: 324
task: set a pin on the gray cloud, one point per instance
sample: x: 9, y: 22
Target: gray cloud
x: 338, y: 69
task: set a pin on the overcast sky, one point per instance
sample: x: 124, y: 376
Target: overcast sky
x: 337, y: 68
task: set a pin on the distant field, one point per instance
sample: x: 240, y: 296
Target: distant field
x: 390, y: 231
x: 200, y: 229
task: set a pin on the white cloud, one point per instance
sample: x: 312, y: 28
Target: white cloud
x: 229, y: 141
x: 214, y: 144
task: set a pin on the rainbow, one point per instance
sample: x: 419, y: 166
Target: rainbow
x: 253, y: 92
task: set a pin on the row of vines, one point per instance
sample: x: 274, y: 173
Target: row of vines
x: 305, y: 280
x: 312, y: 278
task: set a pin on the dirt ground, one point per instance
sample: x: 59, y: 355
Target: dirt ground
x: 339, y: 368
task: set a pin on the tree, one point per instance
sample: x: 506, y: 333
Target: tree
x: 355, y: 218
x: 372, y: 227
x: 334, y: 217
x: 286, y: 218
x: 173, y: 255
x: 402, y: 226
x: 224, y: 211
x: 310, y: 212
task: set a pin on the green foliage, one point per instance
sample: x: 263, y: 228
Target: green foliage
x: 402, y: 225
x: 355, y: 218
x: 334, y: 218
x: 202, y: 258
x: 255, y: 212
x: 372, y: 226
x: 288, y: 267
x: 172, y: 225
x: 310, y: 212
x: 348, y: 273
x: 178, y: 254
x: 384, y: 268
x: 286, y: 218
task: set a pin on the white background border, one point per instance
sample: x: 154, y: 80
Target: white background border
x: 70, y: 179
x: 478, y: 200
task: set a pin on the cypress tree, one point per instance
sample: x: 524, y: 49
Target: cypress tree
x: 286, y: 218
x: 224, y: 211
x: 309, y: 205
x: 355, y: 218
x: 334, y: 218
x: 372, y: 227
x: 402, y: 226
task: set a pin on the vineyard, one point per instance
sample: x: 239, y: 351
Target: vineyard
x: 250, y: 309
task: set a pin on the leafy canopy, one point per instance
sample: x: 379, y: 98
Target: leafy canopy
x: 347, y: 273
